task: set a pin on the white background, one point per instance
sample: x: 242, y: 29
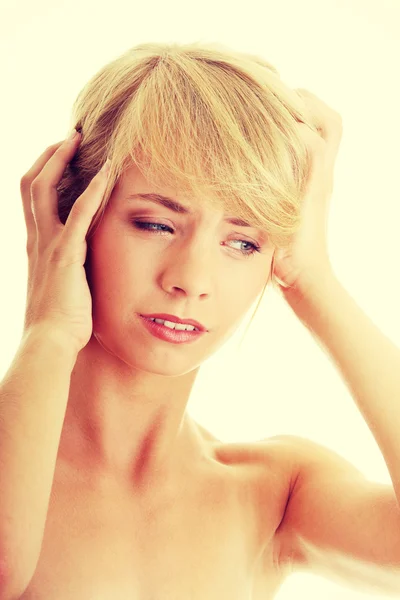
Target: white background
x: 345, y: 51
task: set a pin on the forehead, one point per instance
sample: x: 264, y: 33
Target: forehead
x: 137, y: 191
x: 133, y: 186
x: 133, y: 182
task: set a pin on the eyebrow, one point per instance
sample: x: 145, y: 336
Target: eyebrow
x: 179, y: 208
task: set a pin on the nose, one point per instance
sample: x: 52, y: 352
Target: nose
x: 190, y: 269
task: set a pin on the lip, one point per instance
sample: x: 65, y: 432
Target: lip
x: 173, y: 336
x: 175, y: 319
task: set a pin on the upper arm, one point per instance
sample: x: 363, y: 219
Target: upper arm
x: 336, y: 522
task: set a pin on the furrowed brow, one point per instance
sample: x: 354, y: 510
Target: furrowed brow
x: 179, y: 208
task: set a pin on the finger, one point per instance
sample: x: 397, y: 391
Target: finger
x: 25, y: 189
x: 82, y: 213
x: 44, y: 189
x: 328, y: 120
x: 320, y: 164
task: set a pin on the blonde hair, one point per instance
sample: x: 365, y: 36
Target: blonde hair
x: 216, y: 124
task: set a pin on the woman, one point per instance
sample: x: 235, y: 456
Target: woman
x: 219, y: 179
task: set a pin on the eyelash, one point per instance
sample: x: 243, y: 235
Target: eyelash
x: 143, y: 226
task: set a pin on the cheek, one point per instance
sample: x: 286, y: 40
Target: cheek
x: 242, y: 298
x: 116, y: 270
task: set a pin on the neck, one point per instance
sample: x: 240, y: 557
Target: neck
x: 125, y: 422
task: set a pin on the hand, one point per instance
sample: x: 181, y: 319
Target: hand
x: 307, y: 255
x: 58, y: 296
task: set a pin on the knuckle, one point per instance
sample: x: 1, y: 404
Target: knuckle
x: 36, y: 185
x: 30, y: 244
x: 77, y: 209
x: 57, y: 253
x: 25, y: 183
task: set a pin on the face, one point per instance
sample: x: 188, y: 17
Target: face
x: 194, y: 265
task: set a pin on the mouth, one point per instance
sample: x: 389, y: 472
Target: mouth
x: 174, y: 322
x: 175, y: 333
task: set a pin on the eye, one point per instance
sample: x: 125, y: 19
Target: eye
x: 152, y: 227
x: 250, y: 251
x: 149, y: 226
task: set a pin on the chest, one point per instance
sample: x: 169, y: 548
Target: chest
x: 195, y: 546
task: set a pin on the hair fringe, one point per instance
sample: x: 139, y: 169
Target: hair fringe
x: 217, y: 124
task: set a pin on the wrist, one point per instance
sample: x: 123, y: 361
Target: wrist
x: 45, y: 335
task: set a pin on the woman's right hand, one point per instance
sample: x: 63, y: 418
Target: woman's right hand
x: 58, y: 295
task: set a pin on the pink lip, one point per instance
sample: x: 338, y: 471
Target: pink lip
x: 174, y: 319
x: 174, y: 336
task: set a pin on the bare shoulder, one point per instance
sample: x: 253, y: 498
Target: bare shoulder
x: 292, y: 455
x: 265, y: 471
x: 316, y: 510
x: 278, y: 464
x: 279, y: 461
x: 278, y: 453
x: 269, y: 457
x: 304, y: 456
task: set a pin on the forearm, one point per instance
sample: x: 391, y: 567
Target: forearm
x: 368, y: 361
x: 33, y: 401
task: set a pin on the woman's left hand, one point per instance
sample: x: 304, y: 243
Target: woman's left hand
x: 307, y: 255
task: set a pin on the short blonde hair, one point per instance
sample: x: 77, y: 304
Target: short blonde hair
x: 216, y: 124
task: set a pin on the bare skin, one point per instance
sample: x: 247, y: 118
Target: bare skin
x: 213, y: 537
x: 145, y: 503
x: 126, y: 411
